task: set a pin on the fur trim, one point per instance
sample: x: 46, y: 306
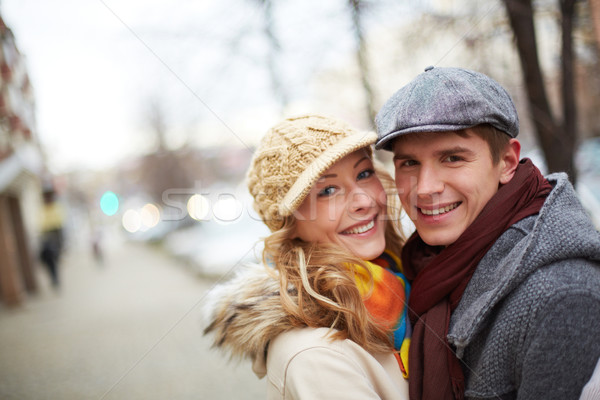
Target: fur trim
x: 245, y: 313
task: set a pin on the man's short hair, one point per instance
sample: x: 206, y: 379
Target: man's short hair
x: 495, y: 138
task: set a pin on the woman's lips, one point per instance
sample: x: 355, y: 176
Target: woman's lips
x: 360, y: 228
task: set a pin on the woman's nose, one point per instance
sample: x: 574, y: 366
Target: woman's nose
x: 360, y: 200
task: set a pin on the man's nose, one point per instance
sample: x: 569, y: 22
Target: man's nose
x: 429, y: 182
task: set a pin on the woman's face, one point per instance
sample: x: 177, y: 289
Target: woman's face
x: 347, y: 207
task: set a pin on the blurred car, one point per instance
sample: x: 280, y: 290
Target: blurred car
x: 216, y: 248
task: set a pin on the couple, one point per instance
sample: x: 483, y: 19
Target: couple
x: 496, y: 295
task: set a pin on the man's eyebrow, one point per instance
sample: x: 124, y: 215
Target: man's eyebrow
x: 402, y: 156
x: 453, y: 150
x: 439, y: 153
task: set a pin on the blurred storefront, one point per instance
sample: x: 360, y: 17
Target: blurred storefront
x: 21, y: 168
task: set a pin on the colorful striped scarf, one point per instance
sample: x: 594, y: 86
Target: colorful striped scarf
x: 387, y: 300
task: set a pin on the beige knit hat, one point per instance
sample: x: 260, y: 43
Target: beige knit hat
x: 292, y: 156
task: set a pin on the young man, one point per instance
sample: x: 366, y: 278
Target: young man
x: 504, y: 263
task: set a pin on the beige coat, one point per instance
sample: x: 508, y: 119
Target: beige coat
x: 305, y: 364
x: 591, y: 391
x: 247, y: 320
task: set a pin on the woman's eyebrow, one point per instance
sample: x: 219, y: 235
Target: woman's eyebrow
x: 361, y: 160
x: 326, y: 176
x: 335, y: 175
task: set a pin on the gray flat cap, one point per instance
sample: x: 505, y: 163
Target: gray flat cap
x: 446, y: 99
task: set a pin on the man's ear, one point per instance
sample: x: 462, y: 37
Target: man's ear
x: 510, y: 160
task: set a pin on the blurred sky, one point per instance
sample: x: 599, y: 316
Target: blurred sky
x: 97, y: 65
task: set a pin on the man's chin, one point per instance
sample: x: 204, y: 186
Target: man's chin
x: 439, y: 238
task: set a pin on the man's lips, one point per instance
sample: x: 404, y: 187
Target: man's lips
x: 439, y: 210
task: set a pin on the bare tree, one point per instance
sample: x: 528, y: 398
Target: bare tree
x: 356, y: 9
x: 273, y: 54
x: 595, y: 11
x: 557, y: 140
x: 162, y: 169
x: 157, y: 124
x: 567, y: 10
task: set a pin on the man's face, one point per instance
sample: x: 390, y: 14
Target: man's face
x: 444, y: 181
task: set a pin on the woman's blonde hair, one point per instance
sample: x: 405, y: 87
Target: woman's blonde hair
x: 317, y: 284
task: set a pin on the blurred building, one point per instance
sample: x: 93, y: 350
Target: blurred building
x: 182, y: 171
x: 20, y: 171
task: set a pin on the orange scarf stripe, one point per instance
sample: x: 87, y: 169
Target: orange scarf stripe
x: 386, y: 298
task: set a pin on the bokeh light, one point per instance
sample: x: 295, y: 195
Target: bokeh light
x: 227, y: 209
x: 198, y: 207
x: 149, y: 215
x: 109, y: 203
x: 132, y: 221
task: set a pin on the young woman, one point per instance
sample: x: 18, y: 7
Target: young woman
x: 325, y: 317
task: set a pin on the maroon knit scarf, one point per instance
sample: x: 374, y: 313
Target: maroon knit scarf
x: 440, y: 275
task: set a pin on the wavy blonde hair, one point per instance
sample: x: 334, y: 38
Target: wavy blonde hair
x: 317, y: 284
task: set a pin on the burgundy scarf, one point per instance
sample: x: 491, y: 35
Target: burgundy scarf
x: 440, y: 275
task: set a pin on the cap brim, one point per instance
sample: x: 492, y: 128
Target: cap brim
x: 385, y: 143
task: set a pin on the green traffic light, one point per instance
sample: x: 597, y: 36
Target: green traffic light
x: 109, y: 203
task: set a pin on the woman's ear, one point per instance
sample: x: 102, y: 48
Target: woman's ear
x: 510, y: 160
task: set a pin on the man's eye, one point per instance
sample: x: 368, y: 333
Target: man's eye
x: 453, y: 158
x: 328, y: 191
x: 406, y: 163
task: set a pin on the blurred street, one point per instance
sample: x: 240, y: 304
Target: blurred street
x: 131, y: 125
x: 129, y: 328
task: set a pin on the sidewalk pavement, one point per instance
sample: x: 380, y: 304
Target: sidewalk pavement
x: 127, y: 329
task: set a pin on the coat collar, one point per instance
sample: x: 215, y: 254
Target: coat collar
x: 527, y: 245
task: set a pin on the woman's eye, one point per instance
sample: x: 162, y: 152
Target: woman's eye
x: 328, y: 191
x: 365, y: 174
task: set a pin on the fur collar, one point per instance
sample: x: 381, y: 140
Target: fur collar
x: 245, y: 314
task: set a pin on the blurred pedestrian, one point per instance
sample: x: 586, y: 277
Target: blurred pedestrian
x: 96, y: 243
x: 325, y: 316
x: 52, y: 234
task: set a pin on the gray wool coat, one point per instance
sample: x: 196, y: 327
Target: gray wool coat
x: 528, y: 324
